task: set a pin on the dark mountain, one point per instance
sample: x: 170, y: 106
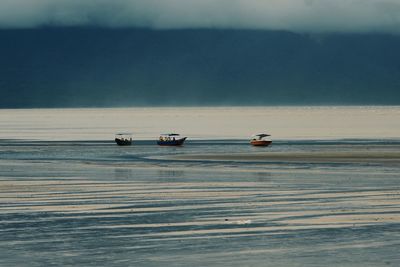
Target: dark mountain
x: 63, y: 67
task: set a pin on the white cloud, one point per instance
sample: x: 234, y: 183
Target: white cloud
x: 292, y: 15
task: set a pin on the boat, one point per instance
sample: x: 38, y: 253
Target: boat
x: 171, y: 139
x: 260, y: 140
x: 123, y: 139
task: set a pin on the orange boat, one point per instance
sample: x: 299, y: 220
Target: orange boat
x: 260, y: 140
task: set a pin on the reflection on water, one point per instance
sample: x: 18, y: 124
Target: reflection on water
x: 123, y: 173
x: 263, y: 176
x: 91, y: 205
x: 171, y: 173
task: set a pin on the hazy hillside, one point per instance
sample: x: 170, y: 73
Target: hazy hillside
x: 99, y: 67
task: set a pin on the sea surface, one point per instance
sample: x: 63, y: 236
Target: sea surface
x: 70, y: 197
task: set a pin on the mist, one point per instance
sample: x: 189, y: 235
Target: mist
x: 358, y: 16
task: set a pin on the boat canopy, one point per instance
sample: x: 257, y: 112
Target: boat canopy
x: 169, y: 135
x: 261, y: 135
x: 123, y: 135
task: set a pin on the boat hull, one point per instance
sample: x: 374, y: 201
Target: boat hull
x: 260, y: 142
x: 123, y: 142
x: 177, y: 142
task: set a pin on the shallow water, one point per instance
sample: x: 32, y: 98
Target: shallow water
x: 284, y: 123
x: 66, y: 201
x: 94, y: 203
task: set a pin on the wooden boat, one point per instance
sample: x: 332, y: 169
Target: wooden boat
x: 171, y: 140
x: 123, y: 139
x: 260, y: 140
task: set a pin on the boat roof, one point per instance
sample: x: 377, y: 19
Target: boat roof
x: 261, y: 135
x: 170, y: 134
x: 123, y: 134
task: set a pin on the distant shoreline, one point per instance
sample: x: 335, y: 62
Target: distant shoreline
x: 206, y: 106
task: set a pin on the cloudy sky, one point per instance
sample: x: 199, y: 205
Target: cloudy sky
x: 293, y: 15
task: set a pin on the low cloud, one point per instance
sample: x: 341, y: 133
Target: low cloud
x: 292, y: 15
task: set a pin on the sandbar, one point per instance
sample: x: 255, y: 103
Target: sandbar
x: 358, y: 156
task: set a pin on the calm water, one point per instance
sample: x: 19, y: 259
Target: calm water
x: 91, y: 203
x: 284, y: 123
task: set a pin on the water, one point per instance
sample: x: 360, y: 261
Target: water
x: 284, y: 123
x: 92, y: 203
